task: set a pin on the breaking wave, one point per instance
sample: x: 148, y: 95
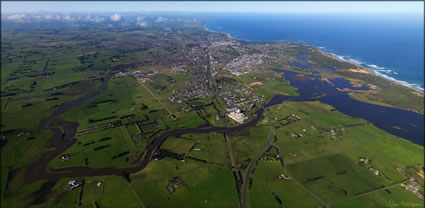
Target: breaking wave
x: 377, y: 70
x: 411, y: 85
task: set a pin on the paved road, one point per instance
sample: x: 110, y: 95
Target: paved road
x: 147, y: 89
x: 311, y: 193
x: 280, y: 154
x: 252, y: 164
x: 374, y: 191
x: 137, y: 196
x: 259, y: 153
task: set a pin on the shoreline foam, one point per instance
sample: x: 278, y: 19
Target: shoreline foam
x: 374, y: 69
x: 381, y: 72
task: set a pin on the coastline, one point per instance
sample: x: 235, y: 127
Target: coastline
x: 374, y: 71
x: 359, y: 69
x: 227, y: 34
x: 361, y: 66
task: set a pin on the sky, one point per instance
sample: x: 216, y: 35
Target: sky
x: 216, y: 6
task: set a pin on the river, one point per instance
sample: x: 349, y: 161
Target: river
x: 309, y: 86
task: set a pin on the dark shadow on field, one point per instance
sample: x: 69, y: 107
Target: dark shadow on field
x: 40, y: 194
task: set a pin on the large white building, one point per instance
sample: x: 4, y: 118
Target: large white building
x: 238, y: 117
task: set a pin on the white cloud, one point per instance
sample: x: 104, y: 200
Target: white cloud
x: 115, y: 18
x: 48, y: 16
x: 142, y: 24
x: 88, y: 18
x: 43, y: 12
x: 16, y: 17
x: 99, y: 19
x: 161, y: 19
x: 67, y: 17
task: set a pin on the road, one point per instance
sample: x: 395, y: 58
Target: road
x: 373, y: 191
x: 279, y: 153
x: 137, y: 196
x: 259, y: 153
x: 310, y: 192
x: 147, y: 89
x: 252, y: 164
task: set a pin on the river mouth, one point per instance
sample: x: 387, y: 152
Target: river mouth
x: 409, y: 124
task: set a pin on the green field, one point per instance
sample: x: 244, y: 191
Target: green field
x: 329, y: 166
x: 272, y: 84
x: 204, y: 186
x: 266, y: 185
x: 173, y: 76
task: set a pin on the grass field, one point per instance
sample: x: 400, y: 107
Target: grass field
x: 272, y: 84
x: 204, y: 186
x: 326, y: 159
x: 392, y: 197
x: 209, y: 148
x: 335, y: 177
x: 245, y: 143
x: 391, y: 94
x: 266, y: 187
x: 180, y: 146
x: 44, y: 66
x: 112, y: 105
x: 84, y: 152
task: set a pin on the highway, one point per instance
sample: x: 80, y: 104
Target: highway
x: 259, y: 153
x: 252, y: 164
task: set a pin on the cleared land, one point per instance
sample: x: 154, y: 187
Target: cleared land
x: 173, y: 76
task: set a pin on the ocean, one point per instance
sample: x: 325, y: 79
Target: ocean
x: 391, y: 45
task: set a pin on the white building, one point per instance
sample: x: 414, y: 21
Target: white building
x: 238, y: 117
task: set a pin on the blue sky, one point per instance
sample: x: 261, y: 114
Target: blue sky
x: 217, y: 6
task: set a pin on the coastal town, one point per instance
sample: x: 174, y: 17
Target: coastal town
x: 159, y: 111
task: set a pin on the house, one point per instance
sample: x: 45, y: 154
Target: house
x: 170, y: 189
x: 282, y: 176
x: 72, y: 184
x: 65, y: 157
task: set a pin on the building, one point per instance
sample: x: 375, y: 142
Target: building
x: 238, y: 117
x: 65, y: 157
x: 72, y: 185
